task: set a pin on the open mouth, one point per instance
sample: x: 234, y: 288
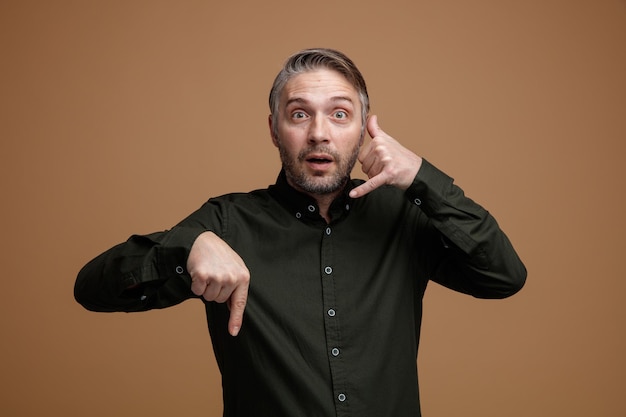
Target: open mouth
x: 319, y: 160
x: 319, y: 163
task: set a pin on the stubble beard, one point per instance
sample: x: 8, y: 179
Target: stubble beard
x: 318, y: 184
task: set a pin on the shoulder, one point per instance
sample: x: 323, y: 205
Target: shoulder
x: 239, y: 200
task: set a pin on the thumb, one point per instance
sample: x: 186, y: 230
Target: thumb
x: 372, y: 126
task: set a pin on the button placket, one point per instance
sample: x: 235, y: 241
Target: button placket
x: 332, y: 322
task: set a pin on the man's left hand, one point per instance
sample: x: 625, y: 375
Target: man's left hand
x: 385, y: 161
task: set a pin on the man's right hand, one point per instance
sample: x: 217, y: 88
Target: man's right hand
x: 219, y: 274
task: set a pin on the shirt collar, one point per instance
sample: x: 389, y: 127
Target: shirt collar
x: 304, y: 207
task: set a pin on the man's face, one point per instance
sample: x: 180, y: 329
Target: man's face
x: 319, y: 131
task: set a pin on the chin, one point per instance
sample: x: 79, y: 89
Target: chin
x: 320, y: 186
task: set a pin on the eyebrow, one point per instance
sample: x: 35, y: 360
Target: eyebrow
x: 300, y: 100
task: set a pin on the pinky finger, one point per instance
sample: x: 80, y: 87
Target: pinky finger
x: 367, y: 187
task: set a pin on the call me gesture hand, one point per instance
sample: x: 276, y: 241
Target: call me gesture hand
x: 385, y: 161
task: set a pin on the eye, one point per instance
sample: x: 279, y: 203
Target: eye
x: 298, y: 115
x: 340, y: 114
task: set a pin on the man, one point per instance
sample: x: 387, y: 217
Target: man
x: 329, y: 271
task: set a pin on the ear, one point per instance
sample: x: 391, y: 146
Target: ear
x: 271, y: 126
x: 364, y: 130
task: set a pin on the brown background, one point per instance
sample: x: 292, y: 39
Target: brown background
x: 121, y: 117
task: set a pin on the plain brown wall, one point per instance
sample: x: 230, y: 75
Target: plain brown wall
x: 121, y: 117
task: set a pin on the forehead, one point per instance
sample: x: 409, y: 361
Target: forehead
x: 316, y: 85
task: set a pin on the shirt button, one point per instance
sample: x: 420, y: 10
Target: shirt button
x: 341, y: 397
x: 328, y: 231
x: 311, y: 208
x: 298, y: 215
x: 331, y: 313
x: 417, y: 202
x: 328, y: 270
x: 335, y: 352
x: 347, y: 206
x: 179, y: 269
x: 143, y: 297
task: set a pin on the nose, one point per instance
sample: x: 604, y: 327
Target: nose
x: 318, y: 130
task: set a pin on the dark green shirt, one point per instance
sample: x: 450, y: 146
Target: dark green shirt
x: 333, y: 318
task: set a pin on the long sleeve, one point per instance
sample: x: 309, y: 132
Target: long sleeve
x: 143, y: 273
x: 473, y: 255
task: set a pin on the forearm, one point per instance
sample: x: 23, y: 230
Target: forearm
x: 476, y: 257
x: 143, y: 273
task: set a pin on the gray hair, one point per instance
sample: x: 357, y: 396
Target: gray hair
x: 313, y: 59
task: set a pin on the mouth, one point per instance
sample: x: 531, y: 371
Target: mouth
x: 319, y: 161
x: 319, y: 158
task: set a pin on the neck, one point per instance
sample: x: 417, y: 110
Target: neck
x: 323, y: 203
x: 323, y: 200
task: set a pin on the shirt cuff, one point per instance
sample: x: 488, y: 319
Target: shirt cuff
x: 429, y: 188
x: 173, y: 252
